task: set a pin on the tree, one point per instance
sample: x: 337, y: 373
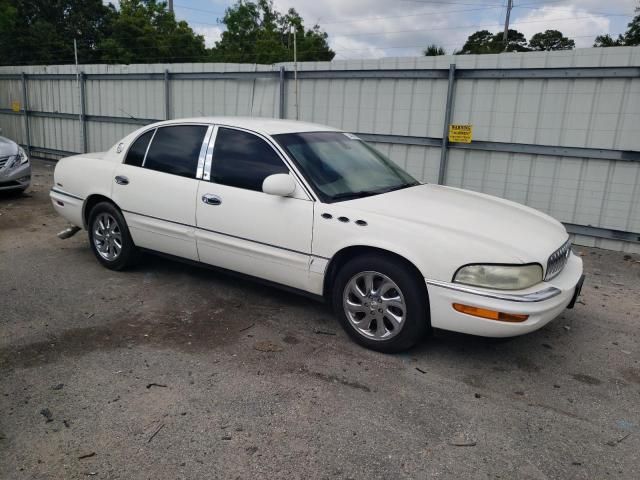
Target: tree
x: 607, y: 41
x: 434, y: 50
x: 551, y: 40
x: 42, y: 31
x: 483, y: 41
x: 632, y: 35
x: 144, y: 31
x: 629, y: 38
x: 257, y: 33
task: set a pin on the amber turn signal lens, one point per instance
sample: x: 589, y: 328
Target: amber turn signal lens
x: 490, y: 314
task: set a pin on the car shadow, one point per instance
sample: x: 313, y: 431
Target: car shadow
x: 524, y: 354
x: 13, y: 194
x: 203, y: 274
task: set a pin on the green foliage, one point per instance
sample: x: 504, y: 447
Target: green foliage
x: 434, y: 50
x: 144, y: 31
x: 608, y: 41
x: 257, y: 33
x: 551, y: 40
x: 632, y: 35
x: 42, y: 31
x: 483, y: 41
x: 629, y: 38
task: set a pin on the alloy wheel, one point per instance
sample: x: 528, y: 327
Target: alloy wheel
x: 107, y: 236
x: 374, y: 305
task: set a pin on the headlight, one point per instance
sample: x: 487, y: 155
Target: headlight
x: 17, y: 160
x: 500, y: 277
x: 22, y: 155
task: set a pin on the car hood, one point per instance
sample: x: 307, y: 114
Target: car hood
x: 7, y: 147
x: 518, y: 231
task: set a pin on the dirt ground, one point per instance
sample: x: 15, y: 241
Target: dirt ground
x: 174, y: 371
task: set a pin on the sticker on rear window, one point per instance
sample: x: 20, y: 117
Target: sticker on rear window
x: 351, y: 136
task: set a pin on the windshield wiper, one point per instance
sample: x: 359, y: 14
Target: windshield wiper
x: 358, y: 194
x: 368, y: 193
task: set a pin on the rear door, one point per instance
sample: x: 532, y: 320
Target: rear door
x: 244, y: 229
x: 156, y: 187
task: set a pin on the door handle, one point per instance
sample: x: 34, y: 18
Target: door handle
x: 120, y: 180
x: 210, y: 199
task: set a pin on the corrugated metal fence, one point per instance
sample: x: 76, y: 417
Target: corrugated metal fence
x: 559, y: 131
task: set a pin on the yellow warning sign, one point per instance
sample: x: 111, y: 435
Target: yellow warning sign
x: 15, y: 106
x: 460, y: 133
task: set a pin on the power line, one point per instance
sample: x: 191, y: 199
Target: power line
x: 233, y: 58
x: 460, y: 27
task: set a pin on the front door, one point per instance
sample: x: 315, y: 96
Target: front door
x: 244, y: 229
x: 156, y: 188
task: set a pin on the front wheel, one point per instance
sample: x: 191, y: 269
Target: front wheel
x: 381, y: 302
x: 109, y: 237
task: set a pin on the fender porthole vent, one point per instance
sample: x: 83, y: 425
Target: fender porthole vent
x: 362, y: 223
x: 343, y: 219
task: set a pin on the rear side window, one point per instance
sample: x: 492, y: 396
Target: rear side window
x: 243, y: 160
x: 175, y: 150
x: 135, y: 155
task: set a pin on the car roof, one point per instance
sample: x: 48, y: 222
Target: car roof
x: 269, y: 126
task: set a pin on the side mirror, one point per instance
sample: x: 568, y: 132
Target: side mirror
x: 281, y: 184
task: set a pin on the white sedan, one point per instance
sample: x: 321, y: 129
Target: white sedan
x: 319, y: 211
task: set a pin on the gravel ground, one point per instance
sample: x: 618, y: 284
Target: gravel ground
x: 174, y: 371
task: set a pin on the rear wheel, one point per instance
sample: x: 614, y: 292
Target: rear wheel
x: 381, y: 302
x: 110, y: 238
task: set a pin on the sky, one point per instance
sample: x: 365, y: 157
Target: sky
x: 392, y: 28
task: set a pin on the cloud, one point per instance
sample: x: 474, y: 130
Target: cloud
x: 379, y: 28
x: 211, y: 33
x: 573, y: 22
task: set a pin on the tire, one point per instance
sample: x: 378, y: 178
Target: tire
x: 108, y: 229
x: 361, y: 314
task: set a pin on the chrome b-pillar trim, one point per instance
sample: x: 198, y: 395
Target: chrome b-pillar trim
x: 203, y: 152
x: 539, y: 296
x: 206, y: 174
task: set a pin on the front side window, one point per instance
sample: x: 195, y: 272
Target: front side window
x: 135, y: 155
x: 244, y: 160
x: 176, y: 149
x: 341, y: 167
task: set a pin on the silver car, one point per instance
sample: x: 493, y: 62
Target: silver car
x: 15, y: 168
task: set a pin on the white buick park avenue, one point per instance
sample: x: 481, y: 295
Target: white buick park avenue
x: 321, y: 212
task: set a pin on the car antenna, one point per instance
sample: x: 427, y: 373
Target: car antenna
x: 127, y: 113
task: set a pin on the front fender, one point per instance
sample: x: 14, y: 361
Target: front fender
x: 437, y: 253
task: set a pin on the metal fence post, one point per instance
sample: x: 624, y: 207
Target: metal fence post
x: 167, y: 100
x: 447, y: 120
x: 83, y: 112
x: 281, y: 97
x: 25, y: 110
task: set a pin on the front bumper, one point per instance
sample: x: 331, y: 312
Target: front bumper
x: 17, y: 178
x: 542, y: 303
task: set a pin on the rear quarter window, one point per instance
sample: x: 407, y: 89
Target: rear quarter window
x: 135, y: 155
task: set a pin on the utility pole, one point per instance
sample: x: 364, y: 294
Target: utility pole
x: 295, y: 67
x: 505, y: 37
x: 171, y: 6
x: 80, y: 99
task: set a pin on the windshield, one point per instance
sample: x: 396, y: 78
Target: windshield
x: 341, y: 167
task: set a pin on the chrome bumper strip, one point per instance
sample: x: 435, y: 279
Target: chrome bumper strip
x: 539, y: 296
x: 62, y: 192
